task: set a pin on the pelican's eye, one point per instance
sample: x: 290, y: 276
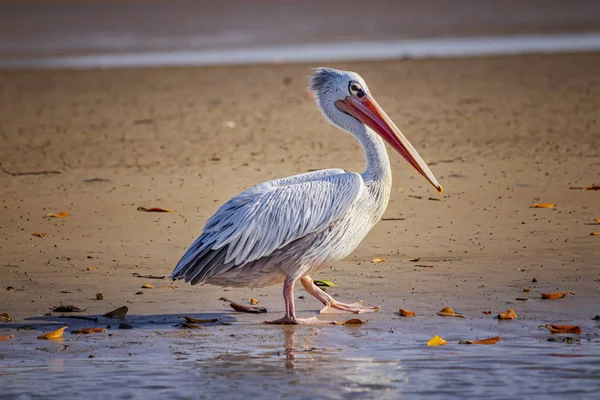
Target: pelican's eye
x: 356, y: 90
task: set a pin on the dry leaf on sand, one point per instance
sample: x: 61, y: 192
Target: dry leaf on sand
x: 559, y: 295
x: 149, y: 276
x: 594, y: 233
x: 449, y: 312
x: 247, y: 309
x: 91, y: 269
x: 253, y: 301
x: 543, y: 205
x: 508, y: 314
x: 147, y: 286
x: 491, y: 340
x: 378, y: 260
x: 562, y: 328
x: 68, y: 309
x: 39, y: 234
x: 592, y: 187
x: 54, y: 335
x: 4, y: 317
x: 87, y: 331
x: 3, y: 338
x: 352, y: 321
x: 154, y: 209
x: 406, y: 313
x: 597, y: 220
x: 59, y: 215
x: 436, y: 341
x: 118, y: 313
x: 199, y: 320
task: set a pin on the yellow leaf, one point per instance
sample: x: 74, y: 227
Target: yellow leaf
x: 542, y: 205
x: 147, y: 286
x: 59, y: 215
x: 378, y: 260
x: 38, y: 234
x: 351, y: 321
x: 253, y: 301
x: 87, y: 331
x: 508, y: 314
x: 597, y: 220
x: 449, y: 312
x: 594, y: 233
x: 559, y: 295
x: 492, y: 340
x: 3, y: 338
x: 54, y: 335
x: 436, y: 341
x: 562, y: 328
x: 406, y: 313
x: 91, y: 269
x: 118, y: 313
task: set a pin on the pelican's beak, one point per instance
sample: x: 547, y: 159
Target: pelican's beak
x: 367, y: 111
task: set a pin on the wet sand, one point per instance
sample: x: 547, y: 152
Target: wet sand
x: 500, y: 134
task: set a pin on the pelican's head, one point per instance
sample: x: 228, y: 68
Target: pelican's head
x: 345, y: 100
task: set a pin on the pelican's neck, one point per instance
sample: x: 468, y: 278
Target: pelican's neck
x: 378, y: 163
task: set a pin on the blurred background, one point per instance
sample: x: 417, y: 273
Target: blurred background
x: 34, y: 31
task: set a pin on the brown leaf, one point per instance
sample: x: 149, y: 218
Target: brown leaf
x: 492, y: 340
x: 189, y: 325
x: 59, y: 215
x: 87, y: 331
x: 247, y: 309
x: 38, y: 234
x: 562, y: 328
x: 118, y: 313
x: 542, y: 205
x: 91, y: 269
x: 3, y: 338
x: 154, y: 209
x: 378, y: 260
x: 592, y: 187
x: 594, y: 233
x: 253, y: 301
x: 4, y: 317
x: 436, y: 341
x: 68, y: 309
x: 424, y: 266
x: 559, y: 295
x: 54, y: 335
x: 415, y: 259
x: 449, y: 312
x: 147, y: 286
x: 527, y: 289
x: 487, y: 312
x: 508, y: 314
x: 148, y: 276
x: 406, y: 313
x: 99, y: 296
x: 436, y: 199
x: 351, y: 321
x: 199, y: 321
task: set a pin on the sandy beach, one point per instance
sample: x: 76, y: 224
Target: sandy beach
x: 499, y: 133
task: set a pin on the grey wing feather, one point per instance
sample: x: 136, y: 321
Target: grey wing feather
x: 265, y: 218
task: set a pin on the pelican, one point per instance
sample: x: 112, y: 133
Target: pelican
x: 288, y: 229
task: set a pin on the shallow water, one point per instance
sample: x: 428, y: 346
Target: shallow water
x: 378, y: 360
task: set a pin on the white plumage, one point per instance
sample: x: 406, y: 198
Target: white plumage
x: 286, y: 229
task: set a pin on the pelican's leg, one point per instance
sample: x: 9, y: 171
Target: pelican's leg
x: 290, y: 308
x: 330, y: 302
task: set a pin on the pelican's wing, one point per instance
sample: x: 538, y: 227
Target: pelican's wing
x: 265, y: 218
